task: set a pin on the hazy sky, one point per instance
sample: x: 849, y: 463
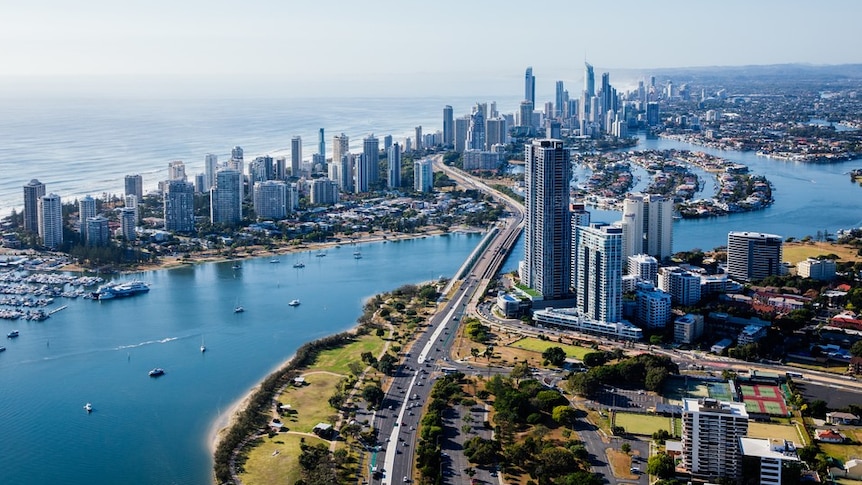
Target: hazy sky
x: 319, y: 47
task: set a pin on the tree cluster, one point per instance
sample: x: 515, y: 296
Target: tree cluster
x: 648, y: 370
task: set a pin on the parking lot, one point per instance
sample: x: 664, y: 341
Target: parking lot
x: 616, y: 398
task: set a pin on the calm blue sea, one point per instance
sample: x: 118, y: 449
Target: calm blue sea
x: 86, y: 146
x: 157, y: 430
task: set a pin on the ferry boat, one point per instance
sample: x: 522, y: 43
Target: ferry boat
x: 158, y: 371
x: 120, y: 290
x: 294, y: 303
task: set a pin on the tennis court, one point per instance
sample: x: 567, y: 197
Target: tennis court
x: 720, y: 391
x: 763, y: 399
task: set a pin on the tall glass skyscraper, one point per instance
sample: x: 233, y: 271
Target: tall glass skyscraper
x: 547, y: 233
x: 448, y: 126
x: 371, y: 157
x: 394, y: 158
x: 530, y: 86
x: 33, y: 191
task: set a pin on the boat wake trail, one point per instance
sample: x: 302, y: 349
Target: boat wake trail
x: 148, y: 342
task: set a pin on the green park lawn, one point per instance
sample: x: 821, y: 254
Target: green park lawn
x: 336, y: 360
x: 538, y: 345
x: 642, y: 424
x: 263, y: 467
x: 310, y: 402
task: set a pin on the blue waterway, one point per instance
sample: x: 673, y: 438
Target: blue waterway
x: 156, y: 431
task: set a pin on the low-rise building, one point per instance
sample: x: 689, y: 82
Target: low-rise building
x: 842, y: 418
x: 687, y: 328
x: 818, y: 269
x: 653, y: 306
x: 751, y: 334
x: 570, y: 318
x: 828, y: 436
x: 772, y: 454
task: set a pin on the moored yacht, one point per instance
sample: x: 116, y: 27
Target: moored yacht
x: 158, y: 371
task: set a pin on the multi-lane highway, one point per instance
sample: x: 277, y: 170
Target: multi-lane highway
x: 397, y: 421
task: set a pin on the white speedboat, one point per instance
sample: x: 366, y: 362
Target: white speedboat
x: 88, y: 407
x: 158, y: 371
x: 294, y: 303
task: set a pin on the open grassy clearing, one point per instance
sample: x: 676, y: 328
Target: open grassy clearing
x: 621, y: 464
x: 787, y: 432
x: 263, y: 467
x: 797, y: 251
x: 336, y: 360
x: 539, y: 346
x: 642, y: 424
x: 309, y: 402
x: 845, y: 452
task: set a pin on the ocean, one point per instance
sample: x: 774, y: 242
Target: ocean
x: 86, y: 146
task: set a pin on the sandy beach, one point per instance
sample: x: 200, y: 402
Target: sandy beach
x: 226, y: 419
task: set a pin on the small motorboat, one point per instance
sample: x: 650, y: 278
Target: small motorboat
x: 294, y: 303
x: 158, y: 371
x: 88, y: 407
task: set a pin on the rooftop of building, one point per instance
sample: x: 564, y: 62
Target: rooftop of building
x: 769, y: 448
x: 709, y: 405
